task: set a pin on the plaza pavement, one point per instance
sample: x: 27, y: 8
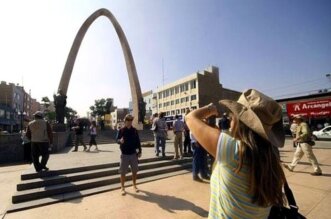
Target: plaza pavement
x: 174, y: 197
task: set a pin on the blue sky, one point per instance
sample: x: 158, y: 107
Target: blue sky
x: 279, y: 47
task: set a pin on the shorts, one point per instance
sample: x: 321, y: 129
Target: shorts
x: 127, y: 160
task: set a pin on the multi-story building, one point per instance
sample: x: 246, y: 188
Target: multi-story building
x: 117, y: 117
x: 18, y: 104
x: 35, y: 106
x: 148, y: 99
x: 193, y: 91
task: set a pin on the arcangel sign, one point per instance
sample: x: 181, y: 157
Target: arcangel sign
x: 310, y: 108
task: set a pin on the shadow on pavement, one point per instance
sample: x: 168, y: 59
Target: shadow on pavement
x: 170, y: 203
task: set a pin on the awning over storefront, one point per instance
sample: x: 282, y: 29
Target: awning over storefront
x: 318, y: 108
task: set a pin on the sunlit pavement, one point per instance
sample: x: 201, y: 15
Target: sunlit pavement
x: 175, y: 197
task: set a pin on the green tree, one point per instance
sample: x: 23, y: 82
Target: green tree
x: 69, y: 113
x: 101, y: 107
x: 46, y: 101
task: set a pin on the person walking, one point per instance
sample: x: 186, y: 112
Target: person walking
x: 293, y: 129
x: 39, y: 132
x: 178, y: 128
x: 161, y: 133
x: 302, y: 137
x: 93, y: 135
x: 130, y: 146
x: 242, y: 185
x: 79, y: 131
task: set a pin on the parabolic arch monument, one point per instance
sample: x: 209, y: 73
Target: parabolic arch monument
x: 137, y: 100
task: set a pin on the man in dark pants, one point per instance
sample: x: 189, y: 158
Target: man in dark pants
x: 79, y: 131
x: 199, y: 160
x: 40, y: 134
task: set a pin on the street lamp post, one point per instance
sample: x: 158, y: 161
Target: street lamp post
x: 22, y: 114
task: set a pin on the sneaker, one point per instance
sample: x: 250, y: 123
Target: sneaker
x: 286, y: 166
x: 206, y: 177
x: 197, y: 178
x: 136, y: 189
x: 316, y: 174
x: 123, y: 192
x: 74, y: 151
x: 45, y: 168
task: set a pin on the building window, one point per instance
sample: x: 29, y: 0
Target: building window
x: 193, y: 84
x: 166, y: 93
x: 172, y: 103
x: 177, y: 111
x: 168, y: 113
x: 194, y: 107
x: 182, y: 111
x: 182, y: 88
x: 194, y: 97
x: 177, y: 101
x: 176, y: 89
x: 172, y: 91
x: 182, y: 100
x: 173, y: 112
x: 160, y: 105
x: 2, y: 113
x: 187, y: 99
x: 160, y: 95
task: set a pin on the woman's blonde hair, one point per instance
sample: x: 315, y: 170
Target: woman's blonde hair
x: 266, y: 173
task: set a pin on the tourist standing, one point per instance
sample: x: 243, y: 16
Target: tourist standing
x: 154, y: 129
x: 40, y: 134
x: 199, y: 155
x: 79, y: 131
x: 178, y: 128
x: 161, y: 133
x: 224, y: 123
x: 241, y: 183
x: 93, y: 135
x: 302, y: 138
x: 187, y: 140
x: 129, y: 141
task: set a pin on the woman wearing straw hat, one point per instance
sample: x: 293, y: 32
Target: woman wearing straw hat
x: 247, y: 178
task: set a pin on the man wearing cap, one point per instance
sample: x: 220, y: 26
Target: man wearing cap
x: 40, y: 134
x: 301, y: 138
x: 129, y: 141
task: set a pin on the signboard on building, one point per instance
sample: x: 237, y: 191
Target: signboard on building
x: 318, y: 108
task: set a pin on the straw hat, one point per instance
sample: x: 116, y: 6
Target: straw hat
x: 260, y: 113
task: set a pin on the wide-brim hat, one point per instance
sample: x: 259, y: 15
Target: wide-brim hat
x: 260, y: 113
x: 128, y: 117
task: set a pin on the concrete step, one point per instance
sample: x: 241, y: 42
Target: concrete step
x: 31, y: 174
x: 47, y: 191
x: 87, y: 192
x: 89, y: 174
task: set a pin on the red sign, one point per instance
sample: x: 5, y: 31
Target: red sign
x: 310, y: 108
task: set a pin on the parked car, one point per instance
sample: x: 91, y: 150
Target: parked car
x: 323, y: 134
